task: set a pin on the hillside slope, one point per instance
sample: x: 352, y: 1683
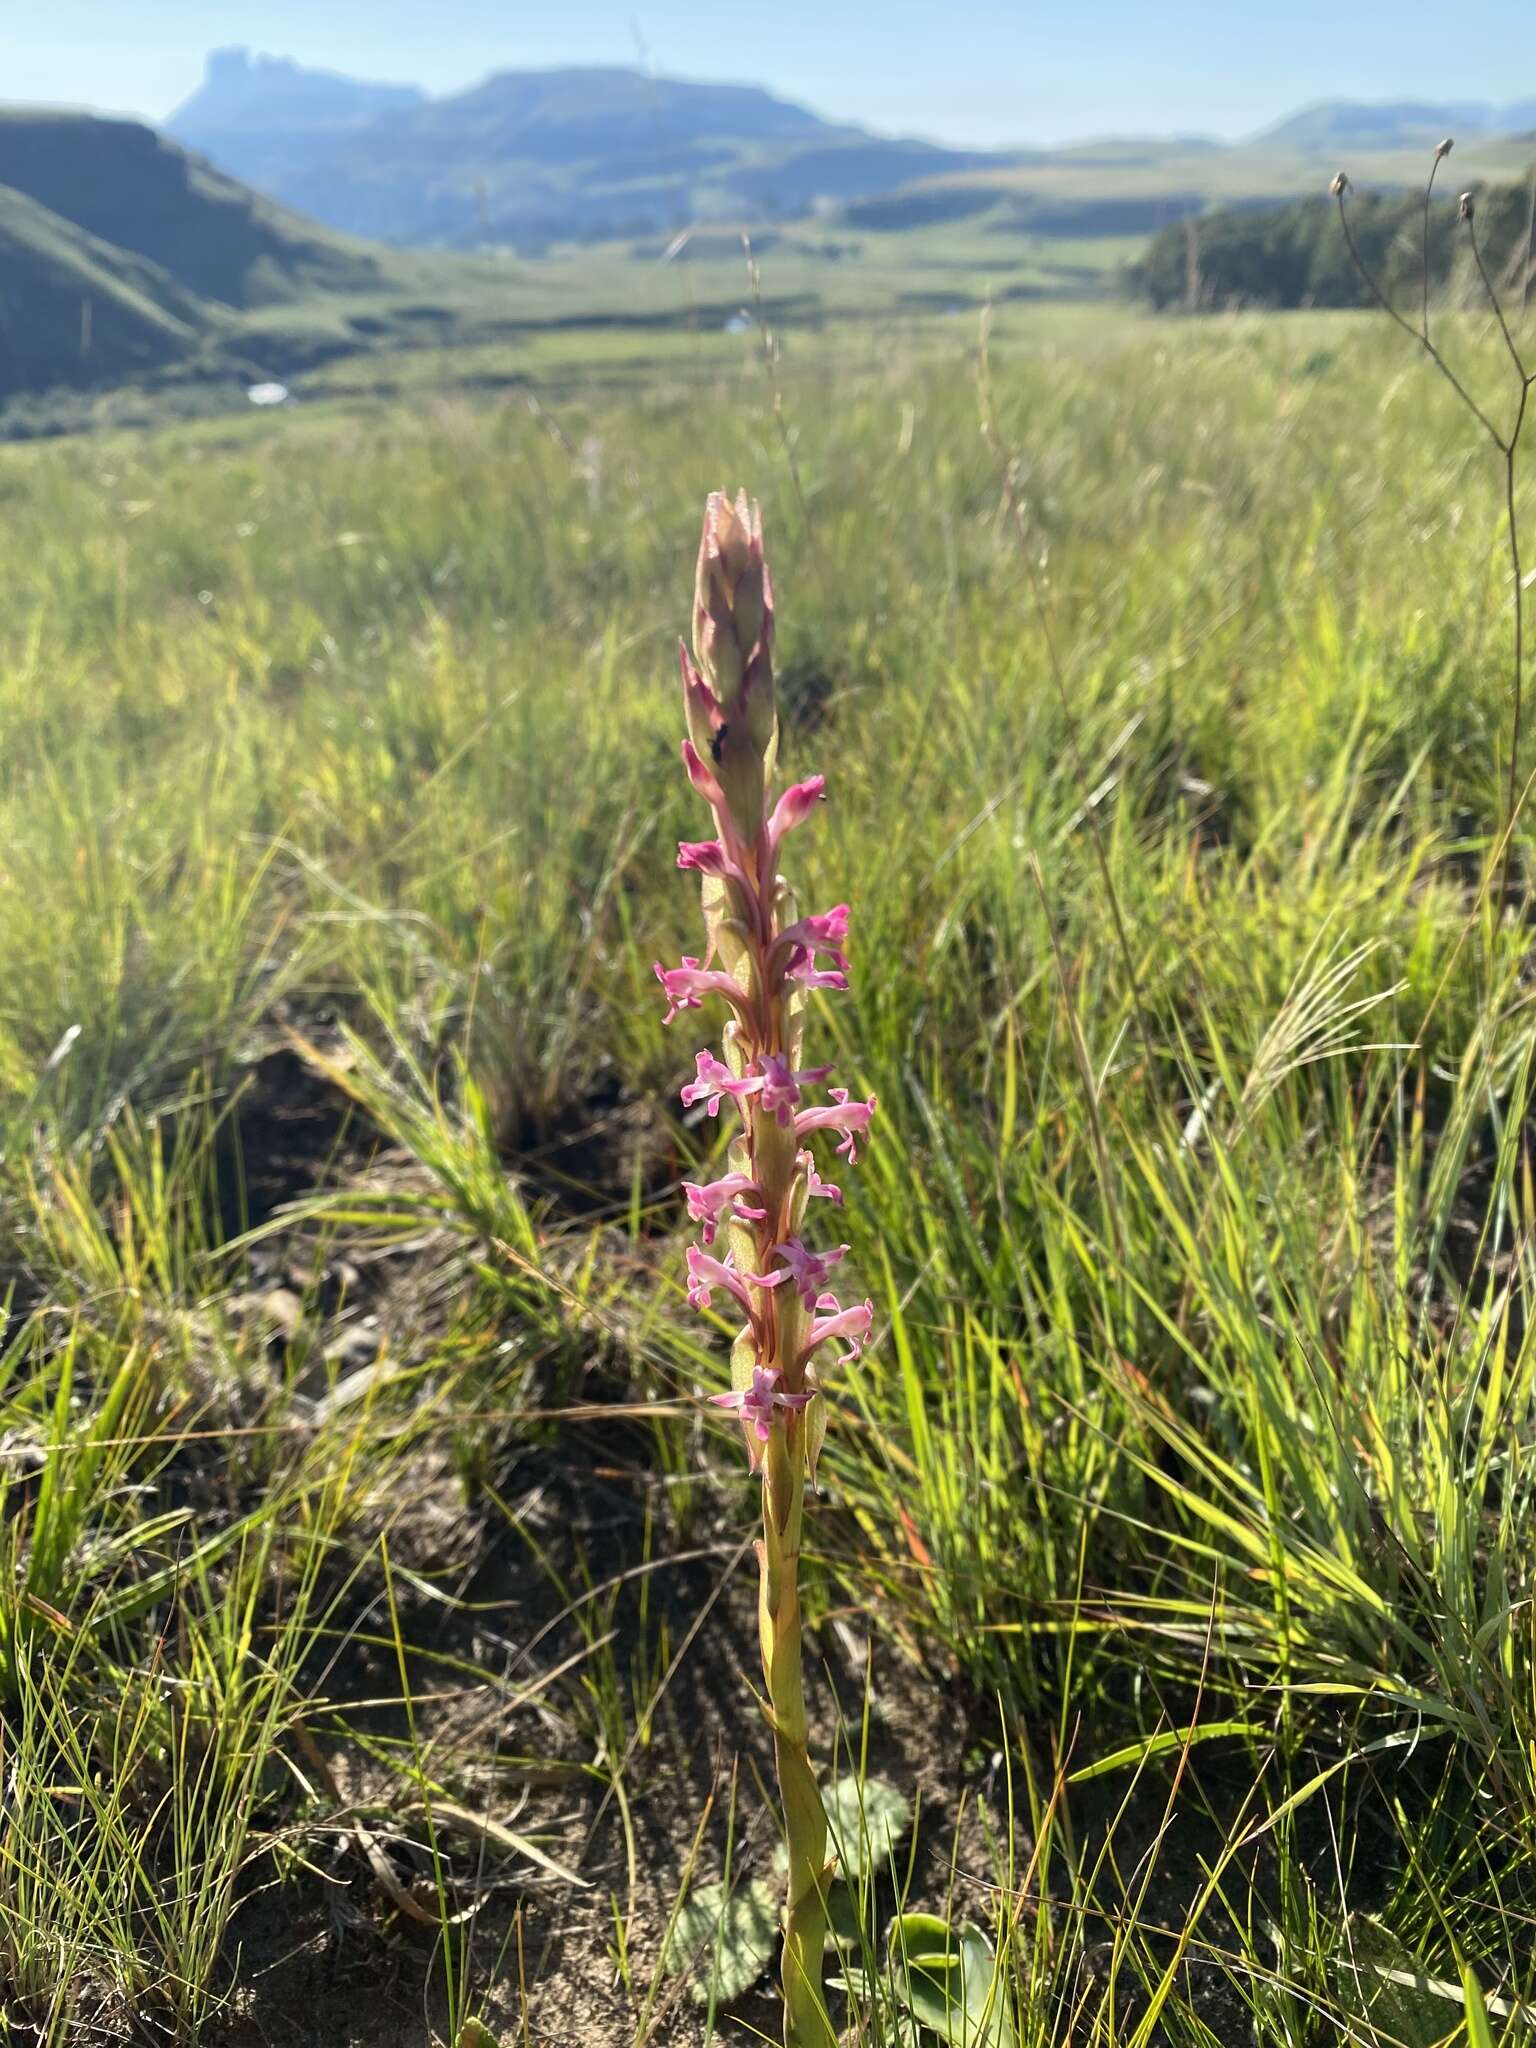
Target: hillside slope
x: 122, y: 256
x: 76, y: 310
x: 129, y: 187
x: 1296, y: 255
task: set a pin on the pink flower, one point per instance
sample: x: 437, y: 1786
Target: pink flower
x: 719, y: 1201
x: 707, y: 855
x: 714, y: 857
x: 781, y: 1084
x: 837, y: 1321
x: 802, y: 968
x: 712, y: 1079
x: 705, y: 1274
x: 840, y: 1115
x: 826, y: 933
x: 758, y: 1402
x: 815, y: 1185
x: 794, y: 953
x: 797, y: 945
x: 687, y: 985
x: 807, y: 1268
x: 792, y: 809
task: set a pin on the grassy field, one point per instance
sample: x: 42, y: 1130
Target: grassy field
x: 331, y: 319
x: 376, y: 1644
x: 622, y: 312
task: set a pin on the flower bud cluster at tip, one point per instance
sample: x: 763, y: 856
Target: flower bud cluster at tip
x: 762, y: 960
x: 732, y: 601
x: 728, y: 679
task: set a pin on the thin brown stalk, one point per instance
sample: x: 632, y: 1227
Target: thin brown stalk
x: 1470, y: 217
x: 1512, y: 523
x: 1423, y: 341
x: 1440, y: 154
x: 1020, y: 519
x: 1508, y: 445
x: 772, y: 360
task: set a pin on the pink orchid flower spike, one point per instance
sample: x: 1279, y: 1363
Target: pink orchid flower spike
x: 771, y: 1271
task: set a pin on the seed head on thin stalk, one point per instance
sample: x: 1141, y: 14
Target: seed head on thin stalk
x: 1442, y: 151
x: 763, y: 960
x: 1505, y: 440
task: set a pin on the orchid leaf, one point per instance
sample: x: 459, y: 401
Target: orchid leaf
x: 867, y: 1818
x: 725, y: 1940
x: 948, y: 1980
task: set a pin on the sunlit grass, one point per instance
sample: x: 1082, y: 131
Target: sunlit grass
x: 1192, y: 1452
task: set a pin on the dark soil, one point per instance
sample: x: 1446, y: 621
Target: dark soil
x: 289, y: 1130
x: 336, y: 1961
x: 530, y: 1686
x: 330, y: 1961
x: 591, y: 1156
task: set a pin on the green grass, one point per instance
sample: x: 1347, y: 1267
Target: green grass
x: 354, y: 1489
x: 617, y: 314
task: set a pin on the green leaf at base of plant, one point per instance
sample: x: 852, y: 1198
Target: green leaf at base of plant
x: 867, y: 1818
x: 948, y: 1979
x: 724, y: 1941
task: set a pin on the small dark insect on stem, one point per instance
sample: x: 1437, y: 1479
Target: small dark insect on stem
x: 1507, y: 444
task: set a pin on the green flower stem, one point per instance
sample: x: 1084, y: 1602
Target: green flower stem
x: 806, y: 2024
x: 805, y: 1822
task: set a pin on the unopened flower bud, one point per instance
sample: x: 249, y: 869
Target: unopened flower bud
x: 1340, y: 184
x: 1444, y: 149
x: 728, y: 695
x: 1466, y: 207
x: 733, y: 612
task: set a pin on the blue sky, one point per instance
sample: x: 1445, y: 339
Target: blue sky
x: 979, y: 71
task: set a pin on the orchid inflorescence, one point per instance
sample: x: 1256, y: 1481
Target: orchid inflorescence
x: 763, y: 960
x: 768, y: 959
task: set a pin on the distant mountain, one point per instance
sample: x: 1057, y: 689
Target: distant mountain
x: 266, y: 118
x: 1397, y: 124
x: 529, y: 157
